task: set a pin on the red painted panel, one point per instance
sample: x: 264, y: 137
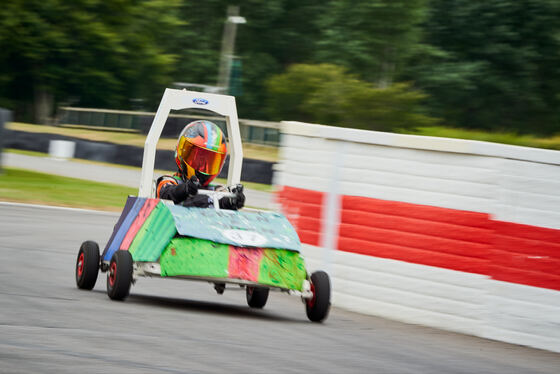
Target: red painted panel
x: 244, y: 263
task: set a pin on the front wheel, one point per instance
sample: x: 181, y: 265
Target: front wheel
x: 87, y: 265
x: 256, y: 296
x: 318, y: 306
x: 119, y: 276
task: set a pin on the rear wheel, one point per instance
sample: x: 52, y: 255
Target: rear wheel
x: 318, y: 306
x: 87, y: 265
x: 119, y: 276
x: 256, y: 296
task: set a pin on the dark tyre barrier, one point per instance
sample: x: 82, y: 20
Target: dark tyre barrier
x: 257, y: 171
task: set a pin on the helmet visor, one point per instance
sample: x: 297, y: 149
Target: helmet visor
x: 201, y: 159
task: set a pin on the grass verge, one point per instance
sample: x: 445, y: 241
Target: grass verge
x: 552, y: 142
x: 31, y: 187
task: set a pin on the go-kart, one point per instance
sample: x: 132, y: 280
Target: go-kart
x: 255, y: 250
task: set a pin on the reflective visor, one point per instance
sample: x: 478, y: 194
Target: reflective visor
x: 201, y: 159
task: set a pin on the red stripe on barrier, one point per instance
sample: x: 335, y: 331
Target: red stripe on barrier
x: 309, y: 237
x: 303, y: 195
x: 449, y: 230
x: 309, y: 223
x: 303, y: 208
x: 417, y: 256
x: 143, y: 214
x: 518, y: 230
x: 424, y: 212
x: 431, y: 242
x: 527, y: 277
x: 525, y: 246
x: 545, y: 264
x: 434, y: 236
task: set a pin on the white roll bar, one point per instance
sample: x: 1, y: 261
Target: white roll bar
x: 182, y: 99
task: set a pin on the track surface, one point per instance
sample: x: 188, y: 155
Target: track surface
x: 47, y: 325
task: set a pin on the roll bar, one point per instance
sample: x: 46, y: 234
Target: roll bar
x: 182, y: 99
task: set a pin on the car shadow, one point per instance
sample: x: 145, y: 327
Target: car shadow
x: 208, y: 307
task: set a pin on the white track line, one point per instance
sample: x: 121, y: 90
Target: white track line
x: 78, y: 210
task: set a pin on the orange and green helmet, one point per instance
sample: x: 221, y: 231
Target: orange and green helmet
x: 201, y: 150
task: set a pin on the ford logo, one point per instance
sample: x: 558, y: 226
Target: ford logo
x: 200, y: 101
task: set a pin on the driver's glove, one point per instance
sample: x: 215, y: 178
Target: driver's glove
x: 237, y: 201
x: 192, y: 185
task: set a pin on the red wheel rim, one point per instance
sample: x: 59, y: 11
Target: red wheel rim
x: 113, y: 273
x: 311, y: 302
x: 81, y: 265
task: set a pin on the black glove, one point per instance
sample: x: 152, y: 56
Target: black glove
x: 239, y: 196
x: 192, y: 185
x: 234, y: 202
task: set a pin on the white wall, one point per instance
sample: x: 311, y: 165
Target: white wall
x: 512, y: 184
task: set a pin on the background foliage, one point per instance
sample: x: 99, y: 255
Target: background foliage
x: 379, y: 64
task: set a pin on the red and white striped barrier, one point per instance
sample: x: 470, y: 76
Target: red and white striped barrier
x: 455, y: 234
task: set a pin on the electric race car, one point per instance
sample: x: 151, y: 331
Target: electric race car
x: 257, y: 250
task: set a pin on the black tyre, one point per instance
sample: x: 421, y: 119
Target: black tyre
x: 256, y: 296
x: 318, y: 306
x: 87, y: 265
x: 119, y: 275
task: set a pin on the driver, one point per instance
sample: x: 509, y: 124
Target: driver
x: 200, y: 155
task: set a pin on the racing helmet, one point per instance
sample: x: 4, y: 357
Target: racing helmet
x: 201, y: 150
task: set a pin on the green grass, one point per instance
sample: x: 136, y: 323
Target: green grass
x: 552, y: 142
x: 38, y: 188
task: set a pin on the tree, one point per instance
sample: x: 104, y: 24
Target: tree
x: 328, y: 94
x: 372, y: 38
x: 92, y: 52
x: 496, y: 65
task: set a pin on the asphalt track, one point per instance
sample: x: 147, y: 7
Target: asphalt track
x: 47, y: 325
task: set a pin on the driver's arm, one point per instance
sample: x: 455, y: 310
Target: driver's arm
x: 170, y: 189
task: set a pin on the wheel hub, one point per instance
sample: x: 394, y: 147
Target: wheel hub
x: 311, y: 301
x: 112, y: 274
x: 81, y: 265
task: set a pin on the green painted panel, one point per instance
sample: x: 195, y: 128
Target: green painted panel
x: 282, y: 268
x: 195, y: 257
x: 154, y: 235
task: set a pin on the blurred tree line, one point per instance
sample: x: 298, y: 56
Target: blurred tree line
x: 376, y: 64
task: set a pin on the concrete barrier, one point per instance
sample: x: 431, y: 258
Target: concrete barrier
x: 61, y: 149
x: 449, y: 233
